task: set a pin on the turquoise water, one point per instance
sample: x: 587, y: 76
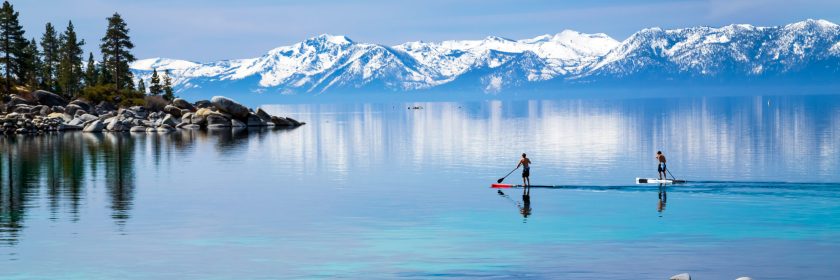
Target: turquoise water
x: 378, y: 191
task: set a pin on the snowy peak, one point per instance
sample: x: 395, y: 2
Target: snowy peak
x: 162, y: 64
x: 812, y: 24
x: 726, y: 51
x: 335, y: 63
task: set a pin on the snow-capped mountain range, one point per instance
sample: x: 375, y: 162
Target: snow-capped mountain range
x: 803, y: 51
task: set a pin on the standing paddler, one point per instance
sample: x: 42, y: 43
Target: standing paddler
x: 526, y: 170
x: 661, y: 168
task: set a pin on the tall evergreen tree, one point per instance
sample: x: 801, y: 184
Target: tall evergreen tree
x: 11, y: 43
x: 168, y: 94
x: 50, y: 58
x: 90, y: 72
x: 116, y: 51
x: 141, y: 86
x: 30, y: 67
x: 70, y: 64
x: 154, y: 83
x: 103, y: 76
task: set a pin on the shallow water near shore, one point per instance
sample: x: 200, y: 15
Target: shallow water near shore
x: 381, y: 191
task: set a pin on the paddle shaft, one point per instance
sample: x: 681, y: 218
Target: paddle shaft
x: 511, y: 172
x: 669, y: 172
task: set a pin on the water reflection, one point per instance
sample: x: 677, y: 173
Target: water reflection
x: 379, y: 146
x: 586, y: 141
x: 61, y: 169
x: 523, y: 206
x: 663, y: 199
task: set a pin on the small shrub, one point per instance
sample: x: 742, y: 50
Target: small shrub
x: 155, y: 103
x: 108, y: 93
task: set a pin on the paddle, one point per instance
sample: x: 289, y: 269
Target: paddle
x: 669, y: 173
x: 503, y: 178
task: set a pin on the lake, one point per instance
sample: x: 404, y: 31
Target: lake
x: 382, y: 191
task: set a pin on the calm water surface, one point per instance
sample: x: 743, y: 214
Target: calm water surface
x: 379, y: 191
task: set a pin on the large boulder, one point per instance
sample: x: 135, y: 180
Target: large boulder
x: 294, y: 122
x: 217, y: 120
x: 254, y: 120
x: 172, y: 110
x: 187, y: 118
x: 81, y: 103
x: 281, y: 121
x: 48, y: 98
x: 105, y: 107
x: 165, y: 129
x: 139, y: 111
x: 237, y: 124
x: 231, y: 107
x: 95, y: 126
x: 117, y: 126
x: 263, y: 115
x: 137, y: 128
x: 204, y: 112
x: 183, y: 104
x: 87, y: 117
x: 203, y: 104
x: 15, y: 100
x: 62, y: 116
x: 72, y: 108
x: 169, y: 120
x: 40, y: 110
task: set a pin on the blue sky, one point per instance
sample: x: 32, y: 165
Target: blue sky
x: 207, y: 30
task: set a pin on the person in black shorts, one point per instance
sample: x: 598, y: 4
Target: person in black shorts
x: 526, y: 170
x: 661, y: 168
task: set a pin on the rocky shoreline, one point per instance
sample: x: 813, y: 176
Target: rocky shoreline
x: 44, y: 112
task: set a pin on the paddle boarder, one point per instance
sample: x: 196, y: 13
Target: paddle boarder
x: 526, y: 170
x: 661, y: 168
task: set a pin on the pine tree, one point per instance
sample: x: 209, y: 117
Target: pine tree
x: 154, y: 85
x: 50, y: 58
x: 70, y: 63
x: 116, y: 51
x: 30, y: 65
x: 11, y: 43
x: 168, y: 94
x: 90, y: 72
x: 141, y: 86
x: 103, y: 76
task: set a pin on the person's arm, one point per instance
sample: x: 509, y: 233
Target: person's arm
x: 519, y: 164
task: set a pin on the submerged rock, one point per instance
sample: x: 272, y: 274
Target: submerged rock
x: 681, y: 276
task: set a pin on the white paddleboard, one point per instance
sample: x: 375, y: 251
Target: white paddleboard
x: 657, y: 181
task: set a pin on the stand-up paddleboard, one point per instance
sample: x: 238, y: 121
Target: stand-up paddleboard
x: 658, y: 181
x: 510, y: 186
